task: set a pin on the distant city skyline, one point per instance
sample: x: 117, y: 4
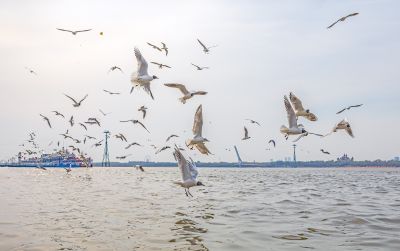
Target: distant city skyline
x: 266, y: 49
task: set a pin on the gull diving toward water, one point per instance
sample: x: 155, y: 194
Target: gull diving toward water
x: 74, y: 32
x: 141, y: 77
x: 205, y: 48
x: 342, y: 19
x: 189, y: 172
x: 298, y: 108
x: 325, y: 152
x: 46, y: 119
x: 134, y: 121
x: 342, y: 125
x: 76, y: 104
x: 348, y: 108
x: 171, y: 136
x: 143, y: 110
x: 160, y: 65
x: 58, y: 114
x: 186, y: 94
x: 199, y: 68
x: 165, y: 48
x: 112, y: 93
x: 246, y: 134
x: 198, y: 140
x: 293, y: 128
x: 253, y: 122
x: 113, y: 68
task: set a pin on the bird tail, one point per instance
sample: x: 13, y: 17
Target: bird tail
x: 284, y: 129
x: 182, y: 100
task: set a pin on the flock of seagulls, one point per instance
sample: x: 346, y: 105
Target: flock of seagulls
x: 141, y: 78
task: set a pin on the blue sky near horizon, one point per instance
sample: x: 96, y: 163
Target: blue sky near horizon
x: 265, y: 50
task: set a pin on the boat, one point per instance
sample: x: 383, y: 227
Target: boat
x: 61, y: 159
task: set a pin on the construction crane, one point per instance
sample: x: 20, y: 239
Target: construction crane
x: 238, y: 156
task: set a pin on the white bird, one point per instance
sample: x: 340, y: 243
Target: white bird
x: 186, y: 94
x: 205, y: 48
x: 246, y: 134
x: 189, y: 172
x: 199, y: 68
x: 74, y: 32
x: 342, y: 19
x: 342, y: 125
x: 76, y: 104
x: 348, y: 108
x: 293, y: 128
x: 299, y: 110
x: 198, y: 140
x: 141, y: 76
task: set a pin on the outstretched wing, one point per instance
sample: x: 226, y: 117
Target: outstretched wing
x: 83, y: 98
x: 181, y: 87
x: 83, y: 30
x: 349, y: 131
x: 246, y: 132
x: 298, y: 106
x: 73, y: 100
x: 183, y: 165
x: 202, y: 148
x: 63, y: 30
x: 142, y: 64
x: 290, y: 113
x: 146, y: 87
x: 341, y: 111
x: 198, y: 121
x: 200, y: 93
x: 204, y: 47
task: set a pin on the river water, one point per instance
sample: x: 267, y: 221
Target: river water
x: 238, y: 209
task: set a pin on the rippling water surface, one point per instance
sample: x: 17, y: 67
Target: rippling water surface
x: 238, y: 209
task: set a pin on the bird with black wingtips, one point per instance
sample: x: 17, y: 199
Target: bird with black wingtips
x: 135, y: 121
x: 165, y: 48
x: 342, y: 125
x: 186, y: 94
x: 132, y: 144
x: 160, y: 65
x: 154, y: 46
x: 141, y: 76
x: 143, y: 110
x: 162, y: 149
x: 58, y: 114
x: 46, y: 119
x: 170, y: 137
x: 342, y: 19
x: 199, y: 68
x: 348, y: 108
x: 76, y: 104
x: 299, y: 109
x: 271, y: 141
x: 84, y: 127
x: 325, y: 152
x: 112, y: 93
x: 205, y: 48
x: 253, y: 122
x: 198, y: 140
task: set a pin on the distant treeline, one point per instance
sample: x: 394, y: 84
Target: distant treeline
x: 366, y: 163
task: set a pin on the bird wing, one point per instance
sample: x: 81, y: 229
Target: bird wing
x: 200, y: 93
x: 298, y: 106
x: 64, y: 30
x: 198, y: 67
x: 341, y: 111
x: 142, y: 64
x: 146, y: 87
x: 73, y: 100
x: 311, y: 116
x: 202, y: 148
x: 301, y: 136
x: 181, y: 87
x: 83, y: 98
x: 198, y: 121
x: 154, y: 46
x: 48, y: 122
x: 171, y: 136
x: 183, y: 165
x: 272, y: 141
x: 202, y: 44
x: 144, y: 113
x: 155, y: 63
x: 142, y: 125
x: 83, y: 30
x: 290, y: 113
x: 330, y: 26
x: 350, y: 131
x: 354, y: 106
x: 246, y: 132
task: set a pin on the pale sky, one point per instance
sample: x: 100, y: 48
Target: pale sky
x: 265, y: 50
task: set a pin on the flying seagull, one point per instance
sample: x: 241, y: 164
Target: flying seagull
x: 113, y: 68
x: 272, y: 141
x: 112, y: 93
x: 293, y: 128
x: 246, y: 134
x: 143, y: 110
x: 31, y: 71
x: 141, y: 77
x: 123, y: 157
x: 104, y: 114
x: 58, y: 114
x: 154, y: 46
x: 348, y: 108
x: 76, y: 104
x: 165, y: 48
x: 134, y: 121
x: 83, y: 126
x: 205, y: 48
x: 189, y: 172
x: 306, y: 134
x: 160, y: 65
x: 299, y: 110
x: 46, y: 119
x: 253, y: 122
x: 121, y: 137
x: 199, y: 68
x: 74, y: 32
x: 132, y: 144
x: 198, y: 140
x: 71, y: 121
x: 342, y: 19
x: 171, y: 136
x: 162, y: 149
x: 342, y: 125
x: 186, y: 94
x: 325, y: 152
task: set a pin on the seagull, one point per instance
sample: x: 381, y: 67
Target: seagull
x: 74, y: 32
x: 189, y: 172
x: 123, y: 157
x: 165, y: 48
x: 342, y: 19
x: 162, y: 149
x: 323, y: 151
x: 198, y: 141
x: 199, y: 68
x: 76, y: 104
x: 134, y: 121
x: 154, y: 46
x: 298, y: 107
x: 171, y: 136
x: 253, y: 122
x: 58, y: 114
x: 47, y: 119
x: 141, y: 77
x: 160, y: 65
x: 348, y: 108
x: 92, y: 121
x: 139, y: 167
x: 342, y: 125
x: 31, y: 71
x: 306, y: 134
x: 186, y: 94
x: 205, y: 48
x: 143, y: 110
x: 112, y: 93
x: 104, y: 114
x: 293, y: 129
x: 133, y: 144
x: 71, y: 121
x: 121, y: 137
x: 272, y: 141
x: 90, y: 137
x: 246, y: 134
x: 83, y: 126
x: 113, y: 68
x: 98, y: 143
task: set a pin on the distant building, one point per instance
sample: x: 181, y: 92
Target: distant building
x: 345, y: 158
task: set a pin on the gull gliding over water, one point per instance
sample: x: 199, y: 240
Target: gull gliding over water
x: 189, y: 172
x: 186, y: 94
x: 141, y: 76
x: 299, y: 110
x: 198, y: 140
